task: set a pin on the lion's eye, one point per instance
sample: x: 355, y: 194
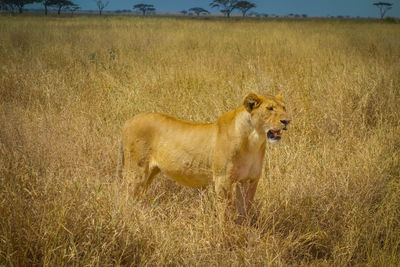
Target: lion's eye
x: 270, y: 108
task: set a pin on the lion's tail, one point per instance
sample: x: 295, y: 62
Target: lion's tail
x: 121, y: 160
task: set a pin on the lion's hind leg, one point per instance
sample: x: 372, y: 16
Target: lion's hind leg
x: 141, y: 173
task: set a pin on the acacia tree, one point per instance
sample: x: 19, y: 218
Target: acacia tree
x: 225, y: 6
x: 101, y: 5
x: 144, y: 8
x: 73, y: 8
x: 244, y: 6
x: 60, y: 4
x: 6, y: 5
x: 46, y: 4
x: 198, y: 10
x: 383, y: 7
x: 19, y: 4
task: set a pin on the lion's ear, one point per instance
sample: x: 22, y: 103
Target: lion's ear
x: 251, y: 102
x: 279, y: 96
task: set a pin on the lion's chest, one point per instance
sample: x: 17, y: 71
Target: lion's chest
x: 249, y: 162
x: 249, y: 167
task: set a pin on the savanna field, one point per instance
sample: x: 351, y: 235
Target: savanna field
x: 330, y: 192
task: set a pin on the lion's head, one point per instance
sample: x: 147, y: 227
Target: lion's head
x: 268, y: 115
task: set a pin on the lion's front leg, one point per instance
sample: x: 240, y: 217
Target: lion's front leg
x: 223, y: 189
x: 245, y: 192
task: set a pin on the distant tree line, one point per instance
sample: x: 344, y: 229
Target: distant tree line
x: 12, y: 5
x: 59, y: 5
x: 225, y: 6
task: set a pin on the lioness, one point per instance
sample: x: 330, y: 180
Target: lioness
x: 230, y: 150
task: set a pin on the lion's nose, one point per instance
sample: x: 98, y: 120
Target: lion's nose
x: 285, y: 122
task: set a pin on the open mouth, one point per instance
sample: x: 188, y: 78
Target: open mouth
x: 274, y: 135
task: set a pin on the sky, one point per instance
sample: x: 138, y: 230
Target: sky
x: 362, y: 8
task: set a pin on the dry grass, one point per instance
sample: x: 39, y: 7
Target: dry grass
x: 331, y: 191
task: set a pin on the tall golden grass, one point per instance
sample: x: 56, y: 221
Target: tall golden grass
x: 330, y: 194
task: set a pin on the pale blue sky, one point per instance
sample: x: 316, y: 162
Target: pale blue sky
x: 362, y: 8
